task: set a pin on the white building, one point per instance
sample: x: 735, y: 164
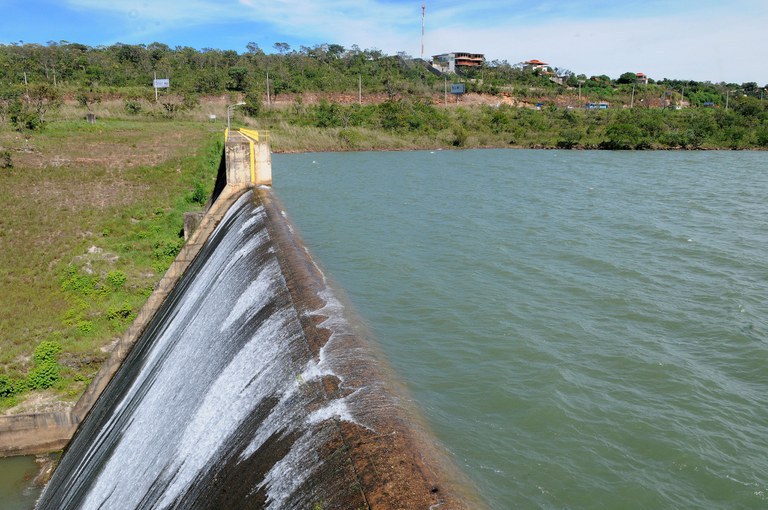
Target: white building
x: 449, y: 62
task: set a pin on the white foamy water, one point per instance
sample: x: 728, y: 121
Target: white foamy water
x: 224, y: 373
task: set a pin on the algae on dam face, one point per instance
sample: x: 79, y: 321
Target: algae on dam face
x: 249, y: 389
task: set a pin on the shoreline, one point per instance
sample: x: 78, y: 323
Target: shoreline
x: 521, y: 147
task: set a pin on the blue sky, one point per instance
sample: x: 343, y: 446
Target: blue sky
x: 685, y: 39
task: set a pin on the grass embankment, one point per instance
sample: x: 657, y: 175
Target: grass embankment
x: 91, y: 216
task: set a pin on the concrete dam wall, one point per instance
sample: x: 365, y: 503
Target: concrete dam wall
x: 249, y: 388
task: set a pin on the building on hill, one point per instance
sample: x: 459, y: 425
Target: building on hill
x: 536, y: 65
x: 450, y: 62
x: 642, y: 78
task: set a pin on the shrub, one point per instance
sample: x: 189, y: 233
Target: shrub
x: 47, y: 350
x: 46, y: 371
x: 116, y: 279
x: 43, y: 376
x: 22, y: 117
x: 7, y: 388
x: 198, y: 195
x: 5, y: 159
x: 79, y: 283
x: 350, y: 137
x: 622, y: 136
x: 132, y: 107
x: 85, y: 326
x: 762, y: 137
x: 569, y: 139
x: 167, y: 249
x: 119, y: 312
x: 459, y: 136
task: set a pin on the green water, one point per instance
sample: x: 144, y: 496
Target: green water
x: 17, y: 492
x: 581, y: 329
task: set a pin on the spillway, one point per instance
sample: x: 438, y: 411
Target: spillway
x: 251, y: 389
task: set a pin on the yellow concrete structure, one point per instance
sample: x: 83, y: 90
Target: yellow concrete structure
x: 248, y: 158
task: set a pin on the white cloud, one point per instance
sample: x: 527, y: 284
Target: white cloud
x: 165, y: 12
x: 692, y: 46
x: 702, y: 43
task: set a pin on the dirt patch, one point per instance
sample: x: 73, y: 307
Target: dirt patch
x: 73, y: 196
x: 40, y: 402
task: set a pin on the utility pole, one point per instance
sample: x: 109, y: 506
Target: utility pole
x: 580, y: 82
x: 445, y: 90
x: 632, y: 100
x: 360, y: 88
x: 268, y: 101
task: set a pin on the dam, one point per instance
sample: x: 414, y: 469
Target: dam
x: 249, y: 387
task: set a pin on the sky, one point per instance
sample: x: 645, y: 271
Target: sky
x: 702, y: 40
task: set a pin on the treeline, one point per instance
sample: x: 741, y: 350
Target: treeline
x: 322, y: 68
x: 505, y: 126
x: 328, y: 68
x: 34, y: 79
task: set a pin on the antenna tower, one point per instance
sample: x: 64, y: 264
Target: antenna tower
x: 423, y: 10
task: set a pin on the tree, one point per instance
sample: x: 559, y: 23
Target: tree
x: 44, y: 98
x: 254, y: 49
x: 238, y: 77
x: 748, y: 106
x: 335, y: 50
x: 87, y: 98
x: 622, y: 136
x: 253, y: 103
x: 627, y: 77
x: 282, y: 47
x: 8, y: 97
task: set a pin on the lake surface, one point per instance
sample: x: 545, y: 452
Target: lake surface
x: 581, y: 329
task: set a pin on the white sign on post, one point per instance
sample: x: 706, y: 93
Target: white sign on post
x: 163, y: 83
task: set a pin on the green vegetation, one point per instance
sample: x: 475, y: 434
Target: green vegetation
x: 308, y: 98
x: 407, y: 124
x: 91, y: 218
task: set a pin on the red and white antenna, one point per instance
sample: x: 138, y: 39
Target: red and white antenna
x: 423, y: 11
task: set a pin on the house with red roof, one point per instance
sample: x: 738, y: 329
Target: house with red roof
x: 535, y: 65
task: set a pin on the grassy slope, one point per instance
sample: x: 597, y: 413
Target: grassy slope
x: 84, y: 208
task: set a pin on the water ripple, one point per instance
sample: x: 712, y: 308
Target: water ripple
x: 582, y: 329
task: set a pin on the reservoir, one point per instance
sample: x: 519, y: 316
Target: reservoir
x: 581, y: 329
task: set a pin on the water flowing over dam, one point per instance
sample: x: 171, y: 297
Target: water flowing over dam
x: 250, y: 389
